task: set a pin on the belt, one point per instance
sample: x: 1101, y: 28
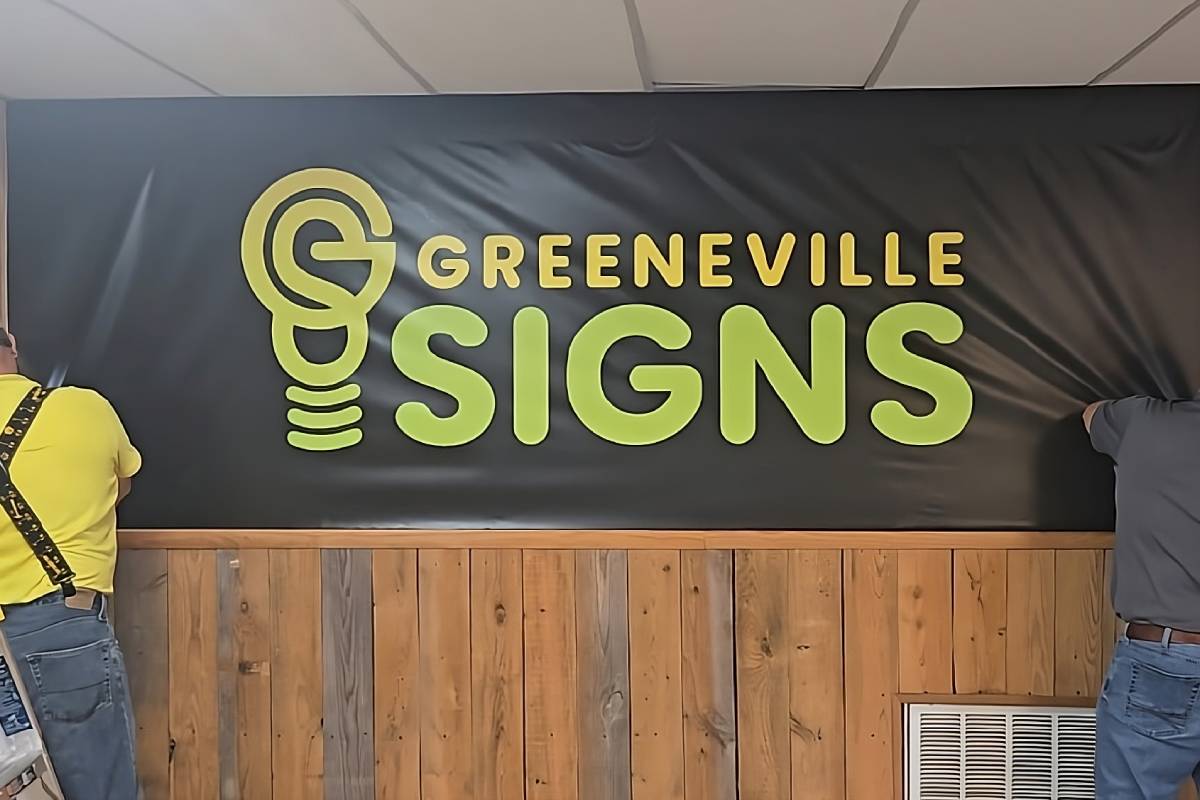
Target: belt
x: 1145, y: 632
x: 82, y: 599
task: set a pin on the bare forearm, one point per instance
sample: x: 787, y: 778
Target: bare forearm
x: 1089, y: 413
x: 124, y: 485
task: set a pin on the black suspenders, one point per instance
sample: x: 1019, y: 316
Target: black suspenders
x: 22, y: 516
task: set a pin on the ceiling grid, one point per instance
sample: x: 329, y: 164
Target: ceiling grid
x: 639, y: 44
x: 150, y: 48
x: 1145, y: 43
x: 357, y: 13
x: 893, y: 40
x: 104, y: 31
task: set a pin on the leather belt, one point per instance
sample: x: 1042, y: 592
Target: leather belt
x: 82, y: 600
x: 1145, y: 632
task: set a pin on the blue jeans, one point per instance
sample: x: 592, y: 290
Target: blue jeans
x: 1148, y: 721
x: 74, y: 674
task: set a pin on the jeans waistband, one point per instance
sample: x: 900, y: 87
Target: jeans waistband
x: 53, y: 598
x: 1182, y: 647
x: 45, y: 600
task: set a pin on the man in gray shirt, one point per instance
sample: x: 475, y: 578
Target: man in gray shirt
x: 1148, y: 717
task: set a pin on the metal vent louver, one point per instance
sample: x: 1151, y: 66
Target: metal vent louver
x: 960, y: 752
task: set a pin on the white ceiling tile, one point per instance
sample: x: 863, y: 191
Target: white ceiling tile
x: 257, y: 47
x: 766, y: 42
x: 511, y: 45
x: 46, y: 52
x: 1173, y: 58
x: 280, y: 47
x: 1019, y: 42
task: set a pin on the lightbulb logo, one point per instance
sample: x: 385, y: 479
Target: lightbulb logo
x: 325, y: 415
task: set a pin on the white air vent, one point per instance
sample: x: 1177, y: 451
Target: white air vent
x: 959, y: 752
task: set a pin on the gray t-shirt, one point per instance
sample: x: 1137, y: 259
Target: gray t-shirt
x: 1156, y: 562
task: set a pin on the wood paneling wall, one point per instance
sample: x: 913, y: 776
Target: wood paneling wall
x: 646, y: 674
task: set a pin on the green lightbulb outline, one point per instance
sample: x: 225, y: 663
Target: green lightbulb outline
x: 339, y: 307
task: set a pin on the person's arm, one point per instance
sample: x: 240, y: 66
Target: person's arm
x: 1108, y: 421
x: 126, y: 459
x: 1089, y: 413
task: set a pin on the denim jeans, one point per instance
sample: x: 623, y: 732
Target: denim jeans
x: 74, y: 674
x: 1148, y: 721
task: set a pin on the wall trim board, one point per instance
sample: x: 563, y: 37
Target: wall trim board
x: 214, y: 539
x: 1036, y: 701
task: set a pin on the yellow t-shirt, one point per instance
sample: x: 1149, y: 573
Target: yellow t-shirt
x: 67, y: 469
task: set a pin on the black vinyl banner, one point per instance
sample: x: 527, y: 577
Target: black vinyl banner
x: 835, y: 310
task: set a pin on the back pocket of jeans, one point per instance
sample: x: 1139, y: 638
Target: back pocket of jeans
x: 73, y: 684
x: 1159, y: 702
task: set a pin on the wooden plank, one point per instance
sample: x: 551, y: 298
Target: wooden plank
x: 253, y: 638
x: 297, y: 695
x: 551, y: 676
x: 655, y: 664
x: 872, y: 678
x: 980, y: 618
x: 602, y: 624
x: 244, y: 673
x: 497, y: 674
x: 228, y: 576
x: 349, y: 683
x: 1110, y: 626
x: 1078, y: 667
x: 444, y: 606
x: 397, y: 676
x: 709, y: 689
x: 818, y: 736
x: 227, y: 722
x: 141, y: 589
x: 763, y: 699
x: 926, y: 621
x: 467, y: 539
x: 1030, y: 648
x: 192, y: 658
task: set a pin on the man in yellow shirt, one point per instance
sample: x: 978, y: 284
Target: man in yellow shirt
x: 64, y: 477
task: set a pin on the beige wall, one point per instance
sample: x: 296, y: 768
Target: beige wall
x: 3, y: 216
